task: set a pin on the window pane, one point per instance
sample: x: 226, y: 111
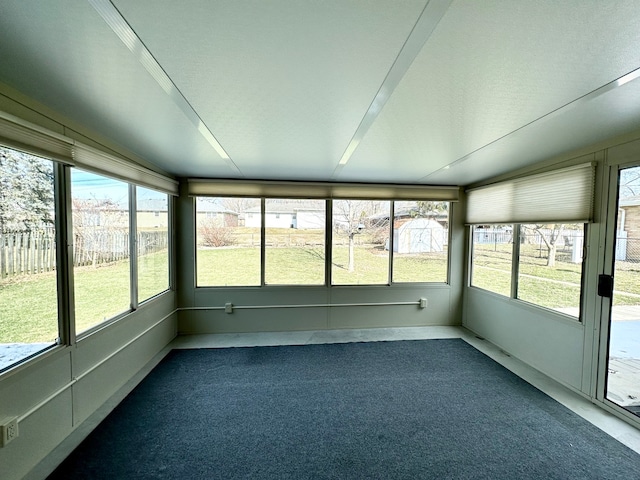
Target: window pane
x: 360, y: 235
x: 28, y: 292
x: 152, y: 220
x: 100, y: 208
x: 295, y: 238
x: 420, y: 241
x: 228, y: 241
x: 491, y: 260
x: 550, y: 266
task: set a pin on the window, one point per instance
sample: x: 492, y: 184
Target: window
x: 420, y: 241
x: 28, y: 298
x: 152, y: 242
x: 549, y: 263
x: 550, y: 266
x: 491, y: 258
x: 228, y: 241
x: 360, y: 252
x: 100, y: 209
x: 294, y: 242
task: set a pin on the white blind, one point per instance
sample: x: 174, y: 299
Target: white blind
x: 561, y: 195
x: 242, y: 188
x: 100, y: 162
x: 30, y: 138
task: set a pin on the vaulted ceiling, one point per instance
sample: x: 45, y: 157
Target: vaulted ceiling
x: 405, y: 91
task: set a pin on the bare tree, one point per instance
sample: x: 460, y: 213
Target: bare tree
x: 239, y: 204
x: 351, y: 218
x: 100, y: 229
x: 550, y: 234
x: 630, y: 182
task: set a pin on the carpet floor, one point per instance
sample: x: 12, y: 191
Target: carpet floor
x: 432, y: 409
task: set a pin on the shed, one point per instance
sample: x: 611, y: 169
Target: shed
x: 418, y: 235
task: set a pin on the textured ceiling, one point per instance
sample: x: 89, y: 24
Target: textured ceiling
x: 439, y: 92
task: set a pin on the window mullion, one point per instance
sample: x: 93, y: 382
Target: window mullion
x: 263, y: 236
x: 392, y: 216
x: 515, y: 260
x: 64, y: 254
x: 133, y: 246
x: 328, y: 245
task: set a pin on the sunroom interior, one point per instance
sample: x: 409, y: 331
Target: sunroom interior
x: 173, y: 171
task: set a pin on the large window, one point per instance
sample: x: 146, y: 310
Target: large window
x: 420, y: 241
x: 228, y: 241
x: 28, y: 299
x: 491, y: 258
x: 100, y: 208
x: 360, y: 242
x: 152, y: 242
x: 294, y: 242
x: 550, y: 266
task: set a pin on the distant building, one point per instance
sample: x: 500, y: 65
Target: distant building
x: 300, y: 214
x: 211, y: 211
x: 418, y: 235
x: 628, y: 236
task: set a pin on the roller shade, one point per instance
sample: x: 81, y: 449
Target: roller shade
x: 564, y: 195
x: 103, y: 163
x: 27, y: 137
x: 232, y: 188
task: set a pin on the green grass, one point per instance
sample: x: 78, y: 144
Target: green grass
x: 231, y: 266
x: 28, y: 304
x: 553, y: 287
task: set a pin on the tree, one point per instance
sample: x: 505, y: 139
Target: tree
x: 351, y: 218
x: 239, y: 204
x: 549, y: 235
x: 26, y: 192
x: 100, y: 228
x: 428, y: 208
x: 630, y: 182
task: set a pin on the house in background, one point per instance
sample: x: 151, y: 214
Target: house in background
x: 628, y: 246
x: 152, y: 214
x: 212, y: 212
x: 298, y: 214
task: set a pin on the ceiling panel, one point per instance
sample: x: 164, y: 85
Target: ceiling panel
x: 490, y: 68
x: 283, y: 85
x: 62, y: 54
x: 603, y: 117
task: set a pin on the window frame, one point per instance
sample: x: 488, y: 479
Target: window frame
x: 515, y: 273
x: 328, y: 243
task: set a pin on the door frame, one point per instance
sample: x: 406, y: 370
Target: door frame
x: 609, y: 219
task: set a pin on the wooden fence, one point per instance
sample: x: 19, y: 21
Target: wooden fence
x: 35, y: 252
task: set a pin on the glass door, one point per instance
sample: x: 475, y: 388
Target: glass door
x: 622, y: 385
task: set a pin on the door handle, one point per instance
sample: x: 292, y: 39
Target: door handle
x: 605, y: 285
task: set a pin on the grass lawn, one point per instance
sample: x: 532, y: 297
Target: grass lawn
x: 231, y: 266
x: 28, y: 304
x: 552, y: 287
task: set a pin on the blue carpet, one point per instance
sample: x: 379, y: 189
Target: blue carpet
x: 433, y: 409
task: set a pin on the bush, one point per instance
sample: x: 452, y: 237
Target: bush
x: 214, y: 235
